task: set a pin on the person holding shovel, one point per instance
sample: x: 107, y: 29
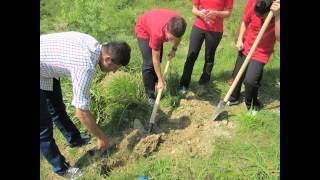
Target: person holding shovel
x: 74, y: 55
x: 208, y: 27
x: 254, y: 15
x: 152, y: 29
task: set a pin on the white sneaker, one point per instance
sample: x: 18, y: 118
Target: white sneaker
x: 252, y: 112
x: 183, y: 90
x: 72, y: 173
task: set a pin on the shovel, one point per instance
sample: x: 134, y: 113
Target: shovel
x: 223, y: 102
x: 156, y: 104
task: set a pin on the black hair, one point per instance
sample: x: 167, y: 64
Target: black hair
x: 177, y: 26
x: 262, y: 7
x: 119, y: 51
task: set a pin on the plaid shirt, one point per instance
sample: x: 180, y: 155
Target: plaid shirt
x: 70, y: 54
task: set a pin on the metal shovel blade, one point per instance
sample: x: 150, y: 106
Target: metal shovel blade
x: 219, y: 109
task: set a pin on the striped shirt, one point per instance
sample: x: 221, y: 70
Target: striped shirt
x: 69, y: 54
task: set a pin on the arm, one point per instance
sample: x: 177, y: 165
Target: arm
x: 81, y: 82
x: 224, y: 14
x: 277, y: 28
x: 275, y: 8
x: 175, y: 45
x: 157, y: 68
x: 196, y: 12
x: 242, y: 30
x: 87, y: 120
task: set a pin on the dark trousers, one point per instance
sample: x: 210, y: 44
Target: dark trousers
x: 212, y: 40
x: 149, y: 75
x: 53, y: 110
x: 251, y: 79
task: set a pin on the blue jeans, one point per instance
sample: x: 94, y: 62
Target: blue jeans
x: 52, y: 110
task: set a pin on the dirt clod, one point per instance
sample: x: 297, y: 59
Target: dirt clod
x: 148, y: 145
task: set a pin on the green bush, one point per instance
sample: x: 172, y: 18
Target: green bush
x: 124, y: 98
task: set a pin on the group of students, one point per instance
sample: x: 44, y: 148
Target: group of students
x: 76, y: 55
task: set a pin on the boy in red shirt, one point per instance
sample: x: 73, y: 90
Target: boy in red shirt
x: 254, y: 15
x: 152, y: 29
x: 208, y: 27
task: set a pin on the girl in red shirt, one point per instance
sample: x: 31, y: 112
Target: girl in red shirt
x: 254, y: 15
x: 208, y: 27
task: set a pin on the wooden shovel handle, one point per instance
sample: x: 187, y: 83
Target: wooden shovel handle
x: 156, y: 104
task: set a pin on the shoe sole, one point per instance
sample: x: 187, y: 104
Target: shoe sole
x: 232, y: 104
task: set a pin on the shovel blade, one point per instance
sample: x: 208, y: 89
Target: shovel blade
x: 219, y: 110
x: 151, y: 128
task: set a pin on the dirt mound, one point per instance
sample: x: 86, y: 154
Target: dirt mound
x: 198, y: 136
x: 148, y: 145
x: 188, y: 129
x: 130, y: 140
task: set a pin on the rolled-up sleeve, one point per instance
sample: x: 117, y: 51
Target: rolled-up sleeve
x: 81, y: 82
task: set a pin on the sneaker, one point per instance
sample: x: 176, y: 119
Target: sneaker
x: 72, y: 173
x: 183, y: 90
x: 252, y: 112
x: 256, y: 108
x: 85, y: 139
x: 151, y: 101
x: 233, y: 102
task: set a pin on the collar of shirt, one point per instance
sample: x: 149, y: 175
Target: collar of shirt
x: 96, y: 54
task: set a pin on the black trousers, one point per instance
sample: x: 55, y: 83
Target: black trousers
x: 212, y: 40
x: 251, y: 79
x: 149, y: 75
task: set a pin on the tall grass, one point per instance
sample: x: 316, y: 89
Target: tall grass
x: 124, y: 100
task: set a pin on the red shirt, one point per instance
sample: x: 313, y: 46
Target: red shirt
x: 152, y: 25
x: 215, y: 23
x: 253, y: 25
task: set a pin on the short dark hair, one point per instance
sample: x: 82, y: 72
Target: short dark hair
x: 262, y: 7
x: 177, y: 26
x: 119, y: 51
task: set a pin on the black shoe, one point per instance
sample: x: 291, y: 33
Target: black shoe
x: 256, y: 107
x: 233, y: 102
x: 85, y: 139
x: 204, y: 80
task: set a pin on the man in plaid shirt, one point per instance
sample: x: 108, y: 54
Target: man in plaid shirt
x: 74, y: 55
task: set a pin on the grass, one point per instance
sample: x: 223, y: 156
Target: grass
x: 253, y: 152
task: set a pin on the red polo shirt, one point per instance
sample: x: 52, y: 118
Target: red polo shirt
x: 215, y: 23
x: 152, y: 25
x: 253, y: 25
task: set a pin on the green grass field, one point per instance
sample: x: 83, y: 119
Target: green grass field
x: 253, y: 151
